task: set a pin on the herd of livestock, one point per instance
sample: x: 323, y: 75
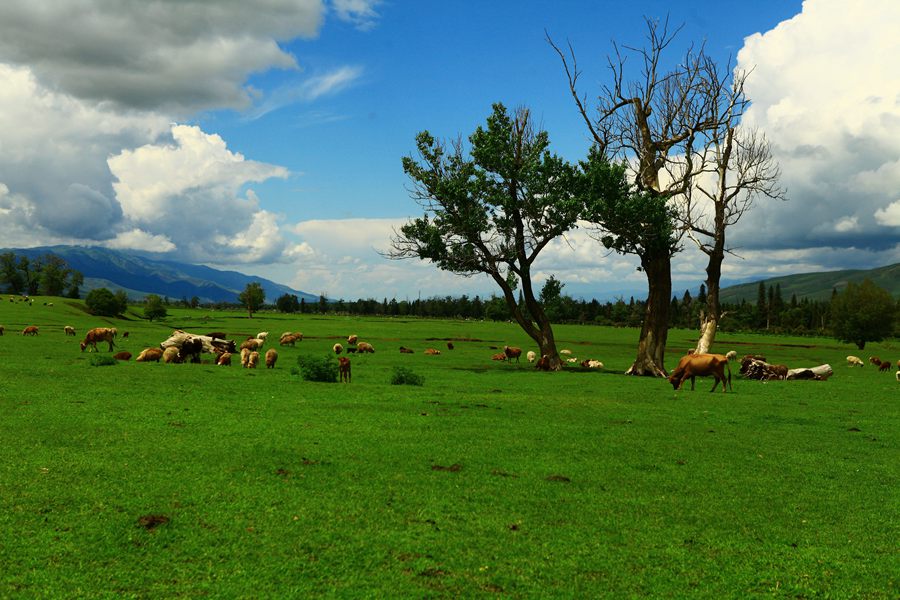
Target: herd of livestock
x: 182, y: 347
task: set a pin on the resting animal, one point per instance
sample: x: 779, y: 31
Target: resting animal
x: 498, y: 356
x: 149, y: 355
x: 432, y: 352
x: 701, y: 365
x: 224, y: 359
x: 171, y: 355
x: 543, y: 363
x: 531, y: 356
x: 123, y: 355
x: 404, y: 350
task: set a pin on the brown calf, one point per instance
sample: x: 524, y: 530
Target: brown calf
x: 701, y: 365
x: 344, y: 369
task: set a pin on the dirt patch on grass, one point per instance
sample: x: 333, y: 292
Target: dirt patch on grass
x: 558, y: 478
x: 454, y: 468
x: 151, y: 522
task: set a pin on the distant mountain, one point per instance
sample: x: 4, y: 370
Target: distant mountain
x: 817, y: 286
x: 139, y: 276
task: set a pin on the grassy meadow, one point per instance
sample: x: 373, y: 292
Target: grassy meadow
x: 491, y: 480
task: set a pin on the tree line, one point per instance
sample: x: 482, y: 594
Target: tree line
x: 47, y: 275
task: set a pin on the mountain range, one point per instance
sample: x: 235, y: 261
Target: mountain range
x: 817, y: 286
x: 139, y: 276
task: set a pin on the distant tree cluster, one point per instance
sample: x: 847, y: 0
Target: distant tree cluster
x: 48, y: 275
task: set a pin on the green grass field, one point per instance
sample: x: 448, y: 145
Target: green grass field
x: 152, y: 480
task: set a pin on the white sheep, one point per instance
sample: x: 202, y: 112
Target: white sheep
x: 531, y: 356
x: 855, y: 361
x: 731, y: 356
x: 262, y: 335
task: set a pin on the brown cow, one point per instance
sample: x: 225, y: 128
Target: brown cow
x: 344, y: 369
x: 701, y: 365
x: 885, y: 366
x: 512, y: 352
x: 432, y: 351
x: 543, y: 363
x: 123, y: 355
x: 98, y: 334
x: 405, y: 350
x: 149, y: 355
x: 30, y: 330
x: 875, y: 361
x: 271, y: 358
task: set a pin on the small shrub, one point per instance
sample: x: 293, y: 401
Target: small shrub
x: 103, y: 360
x: 322, y: 368
x: 404, y: 376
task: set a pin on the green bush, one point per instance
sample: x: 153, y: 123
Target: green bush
x: 404, y: 376
x: 322, y: 368
x: 103, y: 360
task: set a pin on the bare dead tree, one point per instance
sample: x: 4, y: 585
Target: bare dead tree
x: 736, y: 167
x: 652, y: 119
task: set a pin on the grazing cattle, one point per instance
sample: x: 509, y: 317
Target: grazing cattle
x: 875, y: 361
x: 125, y: 335
x: 171, y: 355
x: 289, y: 339
x: 344, y: 369
x: 449, y: 345
x: 885, y: 366
x: 352, y: 339
x: 701, y: 365
x: 252, y: 344
x: 543, y: 363
x: 512, y: 352
x: 245, y: 357
x: 253, y: 360
x: 432, y: 352
x: 365, y: 347
x: 98, y: 334
x: 731, y: 355
x: 123, y: 355
x: 271, y: 358
x: 337, y: 348
x: 30, y: 330
x: 855, y: 361
x: 224, y: 359
x: 191, y: 349
x: 531, y: 356
x: 69, y: 330
x: 149, y: 355
x: 404, y: 350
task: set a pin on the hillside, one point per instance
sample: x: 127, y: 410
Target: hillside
x: 817, y: 286
x: 138, y: 275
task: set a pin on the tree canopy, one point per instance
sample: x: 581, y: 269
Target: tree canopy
x: 863, y: 313
x: 253, y: 297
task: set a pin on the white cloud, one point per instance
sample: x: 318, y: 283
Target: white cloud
x: 136, y: 239
x: 832, y: 113
x: 192, y: 190
x: 177, y: 56
x: 889, y: 216
x: 360, y: 13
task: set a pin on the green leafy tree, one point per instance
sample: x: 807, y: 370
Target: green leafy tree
x: 53, y: 276
x: 103, y: 302
x: 551, y: 298
x: 154, y: 307
x: 862, y: 313
x: 252, y: 298
x: 10, y: 273
x: 493, y: 210
x: 75, y: 284
x: 287, y: 303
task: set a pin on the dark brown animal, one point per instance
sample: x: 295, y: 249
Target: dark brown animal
x: 404, y: 350
x: 701, y: 365
x: 344, y: 369
x: 543, y: 363
x: 885, y: 366
x: 190, y: 350
x: 123, y: 355
x: 875, y: 361
x: 449, y: 345
x: 512, y: 352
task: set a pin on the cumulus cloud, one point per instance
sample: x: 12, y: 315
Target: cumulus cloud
x: 174, y: 55
x: 889, y: 216
x: 192, y: 190
x: 832, y: 113
x: 360, y: 13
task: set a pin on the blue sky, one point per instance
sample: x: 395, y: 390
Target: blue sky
x: 266, y: 136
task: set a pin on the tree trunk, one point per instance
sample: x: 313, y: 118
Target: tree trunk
x: 709, y: 319
x: 650, y: 359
